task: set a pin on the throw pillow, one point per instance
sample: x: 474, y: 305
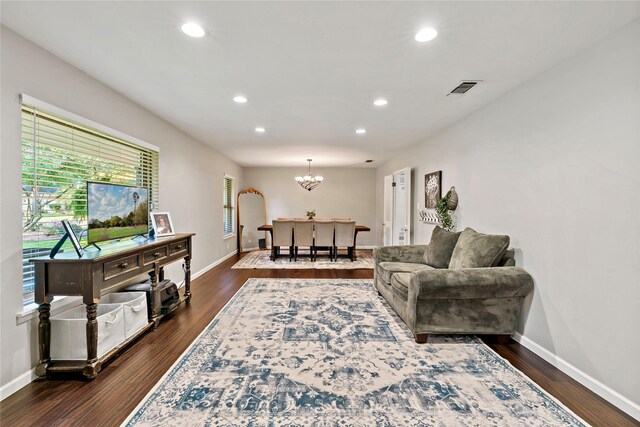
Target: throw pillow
x: 475, y: 250
x: 440, y: 248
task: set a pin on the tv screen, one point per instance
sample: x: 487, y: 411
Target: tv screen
x: 116, y: 211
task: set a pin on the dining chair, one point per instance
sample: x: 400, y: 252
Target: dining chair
x: 324, y: 236
x: 344, y: 237
x: 302, y: 236
x: 282, y: 236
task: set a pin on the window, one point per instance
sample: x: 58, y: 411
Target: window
x: 228, y: 207
x: 58, y: 158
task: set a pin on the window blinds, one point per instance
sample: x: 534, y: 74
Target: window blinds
x: 58, y: 158
x: 228, y: 205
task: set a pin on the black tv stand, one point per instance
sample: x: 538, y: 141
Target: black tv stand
x: 93, y: 244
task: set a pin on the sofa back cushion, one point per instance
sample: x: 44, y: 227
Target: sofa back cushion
x: 439, y: 250
x: 475, y: 250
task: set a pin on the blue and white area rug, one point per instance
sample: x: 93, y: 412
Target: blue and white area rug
x: 287, y: 352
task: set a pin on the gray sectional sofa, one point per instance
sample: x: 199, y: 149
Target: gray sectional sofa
x: 460, y: 283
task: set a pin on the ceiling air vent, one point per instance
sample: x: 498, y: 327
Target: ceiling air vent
x: 463, y: 87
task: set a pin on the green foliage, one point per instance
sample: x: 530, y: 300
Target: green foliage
x: 442, y: 211
x: 61, y: 188
x: 311, y: 214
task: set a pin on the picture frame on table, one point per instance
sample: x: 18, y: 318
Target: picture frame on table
x: 72, y: 236
x: 162, y: 224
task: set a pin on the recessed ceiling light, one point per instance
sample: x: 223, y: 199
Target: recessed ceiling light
x: 380, y: 102
x: 361, y: 131
x: 260, y: 129
x: 193, y: 30
x: 240, y: 99
x: 426, y: 34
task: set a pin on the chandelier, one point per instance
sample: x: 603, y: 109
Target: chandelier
x: 309, y: 182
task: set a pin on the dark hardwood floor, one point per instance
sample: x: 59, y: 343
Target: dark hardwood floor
x: 121, y: 385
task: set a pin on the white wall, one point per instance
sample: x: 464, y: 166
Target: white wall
x: 345, y: 193
x: 191, y: 176
x: 556, y: 165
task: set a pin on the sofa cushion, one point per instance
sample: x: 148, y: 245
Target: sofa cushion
x: 475, y: 250
x: 400, y: 284
x: 387, y: 268
x: 440, y: 248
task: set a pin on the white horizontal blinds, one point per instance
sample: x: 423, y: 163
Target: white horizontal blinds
x: 58, y: 158
x: 228, y: 205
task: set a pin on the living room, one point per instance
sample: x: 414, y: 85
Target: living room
x: 545, y: 148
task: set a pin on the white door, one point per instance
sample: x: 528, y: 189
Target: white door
x: 387, y: 220
x: 401, y: 216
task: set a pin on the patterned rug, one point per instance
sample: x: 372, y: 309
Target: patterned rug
x: 260, y: 259
x: 287, y: 352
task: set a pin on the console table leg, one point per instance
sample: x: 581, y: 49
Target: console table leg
x: 44, y: 339
x: 92, y: 367
x: 187, y: 278
x: 155, y: 298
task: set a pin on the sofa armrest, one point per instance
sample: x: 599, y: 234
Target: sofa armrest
x: 407, y: 253
x: 470, y: 283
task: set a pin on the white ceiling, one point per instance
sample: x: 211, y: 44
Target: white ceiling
x: 311, y: 70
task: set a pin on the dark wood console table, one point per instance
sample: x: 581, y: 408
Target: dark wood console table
x: 96, y: 274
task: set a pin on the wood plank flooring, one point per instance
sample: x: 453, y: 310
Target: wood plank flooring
x: 121, y: 385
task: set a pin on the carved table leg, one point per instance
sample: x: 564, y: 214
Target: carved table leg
x: 187, y: 278
x: 92, y: 367
x: 155, y: 298
x: 354, y: 256
x: 44, y: 339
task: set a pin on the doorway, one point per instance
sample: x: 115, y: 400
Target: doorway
x: 397, y: 208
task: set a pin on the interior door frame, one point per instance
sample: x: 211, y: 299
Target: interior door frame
x: 406, y: 221
x: 387, y: 211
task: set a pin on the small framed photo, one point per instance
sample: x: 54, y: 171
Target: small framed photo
x: 162, y: 224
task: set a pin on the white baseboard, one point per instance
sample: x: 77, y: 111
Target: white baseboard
x: 213, y: 264
x: 591, y: 383
x: 208, y: 267
x: 17, y: 383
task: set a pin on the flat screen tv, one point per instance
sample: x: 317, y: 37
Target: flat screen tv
x: 116, y: 211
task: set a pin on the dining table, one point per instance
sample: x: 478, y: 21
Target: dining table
x: 359, y: 228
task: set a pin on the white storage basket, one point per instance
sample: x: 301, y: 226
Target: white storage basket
x: 134, y: 306
x: 69, y: 332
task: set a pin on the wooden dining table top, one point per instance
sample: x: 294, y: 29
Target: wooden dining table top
x: 269, y: 227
